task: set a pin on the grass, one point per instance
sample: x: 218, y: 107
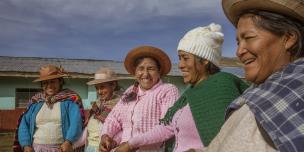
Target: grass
x: 6, y: 141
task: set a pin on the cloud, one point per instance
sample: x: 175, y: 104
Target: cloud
x: 85, y: 28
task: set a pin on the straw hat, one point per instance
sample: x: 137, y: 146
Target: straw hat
x: 148, y: 51
x: 290, y: 8
x: 104, y: 75
x: 48, y: 72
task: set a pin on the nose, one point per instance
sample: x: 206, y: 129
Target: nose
x: 240, y: 51
x: 145, y: 72
x: 99, y: 90
x: 181, y: 64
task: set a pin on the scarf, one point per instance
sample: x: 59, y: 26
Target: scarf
x: 65, y: 94
x: 278, y: 106
x: 101, y: 112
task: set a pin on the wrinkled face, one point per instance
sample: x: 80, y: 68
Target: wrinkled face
x: 105, y: 90
x: 51, y: 87
x: 262, y: 52
x: 147, y: 73
x: 192, y: 70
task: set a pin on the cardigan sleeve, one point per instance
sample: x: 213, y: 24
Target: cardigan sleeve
x: 24, y: 135
x: 158, y: 134
x: 75, y: 128
x: 168, y: 98
x: 112, y: 125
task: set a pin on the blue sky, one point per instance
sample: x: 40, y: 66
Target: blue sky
x: 103, y: 29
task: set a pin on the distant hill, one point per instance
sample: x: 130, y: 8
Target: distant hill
x: 231, y: 61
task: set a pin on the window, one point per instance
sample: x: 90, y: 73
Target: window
x: 23, y: 95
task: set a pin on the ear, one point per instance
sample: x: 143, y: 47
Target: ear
x: 290, y: 39
x: 114, y: 85
x: 205, y: 62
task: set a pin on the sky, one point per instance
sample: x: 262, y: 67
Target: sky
x: 104, y: 29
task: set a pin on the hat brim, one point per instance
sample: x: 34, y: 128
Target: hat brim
x: 98, y: 81
x: 148, y: 51
x: 290, y: 8
x: 49, y: 77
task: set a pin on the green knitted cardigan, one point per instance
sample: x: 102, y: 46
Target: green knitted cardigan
x: 208, y: 101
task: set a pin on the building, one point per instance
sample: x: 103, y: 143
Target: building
x: 17, y: 74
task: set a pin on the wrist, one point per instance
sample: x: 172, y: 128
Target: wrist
x: 68, y: 142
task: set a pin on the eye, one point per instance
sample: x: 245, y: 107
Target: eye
x: 248, y: 37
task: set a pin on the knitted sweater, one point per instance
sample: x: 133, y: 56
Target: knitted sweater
x: 209, y: 99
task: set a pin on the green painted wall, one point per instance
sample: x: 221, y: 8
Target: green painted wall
x: 8, y: 86
x: 7, y: 90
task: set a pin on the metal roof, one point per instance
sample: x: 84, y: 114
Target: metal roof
x: 77, y: 66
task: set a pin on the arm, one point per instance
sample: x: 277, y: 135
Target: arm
x: 112, y: 125
x: 75, y: 128
x: 111, y: 130
x: 168, y: 98
x: 159, y: 133
x: 24, y: 135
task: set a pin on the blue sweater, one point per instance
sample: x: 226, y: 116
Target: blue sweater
x: 71, y: 122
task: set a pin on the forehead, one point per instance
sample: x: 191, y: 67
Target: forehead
x: 147, y: 62
x: 184, y: 53
x: 105, y: 84
x: 51, y: 80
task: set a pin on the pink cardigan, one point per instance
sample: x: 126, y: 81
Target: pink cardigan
x: 182, y: 126
x: 141, y: 115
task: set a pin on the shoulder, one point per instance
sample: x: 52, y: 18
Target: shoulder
x: 168, y: 86
x: 225, y: 76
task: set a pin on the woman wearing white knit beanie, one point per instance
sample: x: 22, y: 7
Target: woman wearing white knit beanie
x: 196, y: 117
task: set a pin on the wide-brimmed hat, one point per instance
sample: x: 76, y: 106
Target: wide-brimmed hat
x: 290, y: 8
x: 148, y: 51
x: 48, y: 72
x: 105, y: 75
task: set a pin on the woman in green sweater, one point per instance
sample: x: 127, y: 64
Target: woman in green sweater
x: 198, y: 114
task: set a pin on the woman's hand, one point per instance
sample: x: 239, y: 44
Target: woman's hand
x: 66, y: 147
x: 124, y: 147
x: 106, y: 143
x: 194, y: 150
x: 28, y: 149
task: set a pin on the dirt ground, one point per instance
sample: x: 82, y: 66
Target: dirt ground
x: 6, y: 141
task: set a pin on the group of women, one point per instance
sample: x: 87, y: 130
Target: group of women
x: 151, y: 115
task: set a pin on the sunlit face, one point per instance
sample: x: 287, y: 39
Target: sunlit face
x: 192, y: 70
x: 147, y: 73
x: 105, y: 90
x: 51, y: 87
x: 262, y: 52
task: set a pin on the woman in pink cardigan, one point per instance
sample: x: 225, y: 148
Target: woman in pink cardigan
x: 144, y: 103
x: 196, y: 117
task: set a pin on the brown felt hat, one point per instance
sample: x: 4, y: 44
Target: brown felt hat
x: 289, y: 8
x: 48, y: 72
x: 148, y: 51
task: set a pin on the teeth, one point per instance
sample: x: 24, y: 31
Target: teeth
x: 248, y: 61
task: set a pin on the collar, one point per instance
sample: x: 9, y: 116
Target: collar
x: 142, y: 92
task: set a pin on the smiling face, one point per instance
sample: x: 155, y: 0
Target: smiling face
x: 51, y: 87
x: 262, y: 52
x: 193, y: 71
x: 147, y: 73
x: 105, y: 90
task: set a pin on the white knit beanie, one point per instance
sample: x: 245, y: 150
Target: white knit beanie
x: 205, y: 42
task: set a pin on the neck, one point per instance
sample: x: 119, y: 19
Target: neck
x: 204, y: 77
